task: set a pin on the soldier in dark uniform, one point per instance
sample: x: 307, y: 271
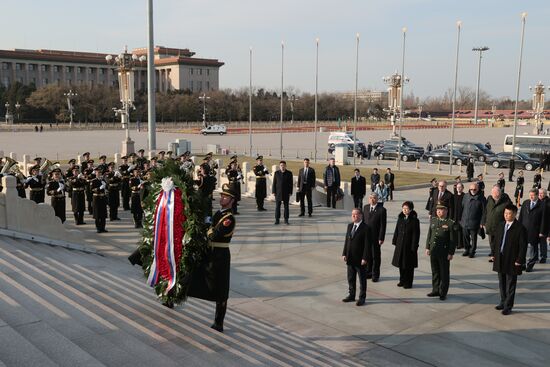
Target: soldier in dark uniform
x: 102, y: 164
x: 211, y: 281
x: 36, y: 185
x: 123, y: 169
x: 68, y: 175
x: 114, y: 180
x: 135, y: 199
x: 20, y: 185
x: 518, y: 194
x: 481, y: 184
x: 84, y: 162
x: 537, y: 179
x: 160, y: 157
x: 78, y: 200
x: 440, y: 247
x: 501, y: 182
x: 56, y: 189
x: 206, y: 185
x: 98, y: 186
x: 261, y: 185
x: 234, y: 176
x: 512, y: 167
x: 140, y: 159
x: 89, y: 176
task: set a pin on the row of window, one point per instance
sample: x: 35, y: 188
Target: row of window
x: 58, y: 68
x: 45, y: 81
x: 197, y: 85
x: 198, y: 71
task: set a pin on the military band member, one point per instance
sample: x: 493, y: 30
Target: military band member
x: 501, y: 182
x: 20, y: 185
x: 186, y: 163
x: 135, y: 199
x: 98, y: 186
x: 56, y: 189
x: 161, y: 158
x: 102, y: 164
x: 234, y: 176
x: 211, y: 282
x: 89, y: 176
x: 125, y: 183
x: 78, y: 200
x: 440, y: 247
x: 140, y: 159
x: 36, y: 185
x: 261, y: 185
x: 68, y: 175
x: 206, y: 185
x: 114, y: 181
x: 84, y: 162
x: 518, y: 194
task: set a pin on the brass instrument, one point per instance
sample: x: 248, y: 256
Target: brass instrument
x: 47, y: 167
x: 9, y: 163
x: 14, y: 170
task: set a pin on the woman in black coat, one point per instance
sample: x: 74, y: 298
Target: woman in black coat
x: 405, y: 239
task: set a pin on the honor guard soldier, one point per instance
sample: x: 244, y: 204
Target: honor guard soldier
x: 56, y: 189
x: 261, y: 185
x: 20, y: 185
x: 103, y: 163
x: 501, y: 182
x: 99, y: 203
x: 140, y: 159
x: 135, y: 200
x: 169, y: 156
x: 440, y: 247
x: 68, y: 175
x: 186, y: 163
x: 537, y: 179
x: 206, y: 185
x: 89, y: 176
x: 153, y: 164
x: 234, y: 176
x: 114, y: 180
x: 160, y: 158
x: 36, y: 185
x: 78, y: 200
x: 211, y: 282
x: 84, y: 162
x: 125, y: 183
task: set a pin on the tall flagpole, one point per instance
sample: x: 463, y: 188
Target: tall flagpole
x: 151, y: 90
x: 250, y: 106
x: 316, y: 99
x: 355, y: 96
x: 401, y: 107
x: 523, y: 18
x: 459, y: 27
x: 282, y: 84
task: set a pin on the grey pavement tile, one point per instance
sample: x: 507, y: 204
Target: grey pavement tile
x: 15, y: 350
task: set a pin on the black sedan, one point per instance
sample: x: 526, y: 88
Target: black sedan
x: 521, y: 161
x: 391, y: 152
x: 407, y: 144
x: 443, y: 156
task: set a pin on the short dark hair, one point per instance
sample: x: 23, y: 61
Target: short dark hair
x: 282, y: 162
x: 356, y: 170
x: 409, y: 204
x: 511, y: 207
x: 306, y: 159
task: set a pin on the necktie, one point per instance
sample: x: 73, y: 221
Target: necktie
x: 372, y: 209
x: 506, y: 227
x: 305, y: 175
x: 353, y: 230
x: 440, y: 195
x: 532, y: 205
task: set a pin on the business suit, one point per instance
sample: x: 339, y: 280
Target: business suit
x: 507, y: 253
x: 306, y: 183
x: 282, y: 189
x: 531, y: 218
x: 357, y: 247
x: 358, y: 190
x: 331, y: 179
x: 445, y: 199
x: 376, y: 220
x: 389, y: 179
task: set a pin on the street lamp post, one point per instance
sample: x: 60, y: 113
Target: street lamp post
x: 151, y: 89
x: 523, y: 19
x: 480, y: 50
x: 394, y: 82
x: 203, y: 98
x: 458, y: 28
x: 125, y: 63
x: 70, y: 95
x: 8, y: 116
x: 538, y: 103
x: 292, y: 100
x: 355, y: 94
x: 250, y: 106
x: 316, y: 99
x: 17, y: 108
x: 282, y: 86
x: 402, y: 108
x: 419, y: 112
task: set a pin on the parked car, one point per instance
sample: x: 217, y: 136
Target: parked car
x: 443, y: 156
x: 214, y: 129
x: 521, y: 161
x: 358, y: 148
x: 477, y: 150
x: 339, y: 137
x: 394, y: 142
x: 391, y: 152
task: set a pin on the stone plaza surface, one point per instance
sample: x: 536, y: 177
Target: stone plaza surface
x: 61, y: 307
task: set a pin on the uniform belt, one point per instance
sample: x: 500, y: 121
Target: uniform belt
x: 78, y: 188
x: 257, y: 177
x: 58, y: 196
x: 99, y: 195
x: 37, y: 189
x: 113, y: 185
x: 135, y: 191
x: 218, y: 244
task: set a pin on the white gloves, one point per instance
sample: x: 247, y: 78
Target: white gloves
x: 103, y: 185
x: 61, y: 187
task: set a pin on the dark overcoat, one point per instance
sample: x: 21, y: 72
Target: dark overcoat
x: 406, y: 238
x: 359, y: 246
x: 515, y: 248
x: 282, y: 185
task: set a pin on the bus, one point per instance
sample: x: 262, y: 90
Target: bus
x: 532, y: 145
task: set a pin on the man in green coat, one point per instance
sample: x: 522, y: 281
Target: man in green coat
x: 440, y: 247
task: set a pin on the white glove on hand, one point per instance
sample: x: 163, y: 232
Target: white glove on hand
x: 265, y: 170
x: 118, y: 174
x: 61, y: 187
x: 103, y: 185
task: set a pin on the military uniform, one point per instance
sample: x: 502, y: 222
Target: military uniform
x: 78, y: 199
x: 125, y: 186
x: 20, y: 186
x: 89, y: 175
x: 56, y: 189
x: 234, y: 176
x: 37, y: 188
x: 114, y: 181
x: 261, y: 185
x: 99, y: 203
x: 441, y: 242
x: 135, y: 201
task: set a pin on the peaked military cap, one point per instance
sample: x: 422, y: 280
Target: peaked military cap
x: 103, y: 157
x: 228, y: 191
x: 259, y: 157
x: 72, y: 160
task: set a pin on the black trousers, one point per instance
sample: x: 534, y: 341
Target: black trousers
x: 406, y: 276
x: 113, y: 212
x: 507, y: 284
x: 537, y: 249
x: 260, y: 203
x: 138, y: 217
x: 79, y: 217
x: 278, y: 209
x: 352, y: 277
x: 491, y: 239
x: 470, y: 239
x: 373, y: 268
x: 331, y: 196
x: 100, y: 224
x: 305, y: 194
x: 390, y: 192
x: 440, y: 274
x: 358, y: 202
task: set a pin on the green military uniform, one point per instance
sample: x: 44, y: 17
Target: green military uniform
x: 441, y: 241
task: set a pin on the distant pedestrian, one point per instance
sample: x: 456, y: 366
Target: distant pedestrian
x: 369, y: 150
x: 470, y: 168
x: 501, y: 182
x: 358, y: 188
x: 41, y: 128
x: 389, y: 180
x: 382, y: 191
x: 35, y: 128
x: 374, y: 179
x: 429, y: 147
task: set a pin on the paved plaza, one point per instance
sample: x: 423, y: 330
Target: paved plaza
x: 61, y: 307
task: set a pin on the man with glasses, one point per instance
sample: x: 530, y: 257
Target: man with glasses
x: 443, y: 197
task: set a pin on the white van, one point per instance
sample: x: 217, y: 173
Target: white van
x: 340, y: 137
x: 214, y: 129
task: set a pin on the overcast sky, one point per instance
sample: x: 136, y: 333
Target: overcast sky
x: 226, y: 29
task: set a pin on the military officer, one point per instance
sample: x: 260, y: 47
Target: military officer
x: 84, y: 163
x: 135, y: 200
x: 68, y: 175
x: 234, y: 176
x: 78, y: 200
x: 160, y: 158
x: 36, y: 184
x: 98, y: 186
x: 103, y: 163
x: 440, y: 247
x: 125, y: 183
x: 114, y: 181
x: 56, y: 189
x: 140, y: 159
x: 89, y: 176
x: 261, y: 185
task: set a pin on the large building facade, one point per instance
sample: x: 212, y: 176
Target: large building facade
x: 176, y: 69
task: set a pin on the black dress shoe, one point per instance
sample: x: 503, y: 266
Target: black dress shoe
x: 442, y: 298
x: 506, y: 312
x: 407, y: 286
x: 360, y: 302
x: 472, y: 255
x: 529, y: 268
x: 542, y: 261
x: 276, y: 222
x: 375, y: 279
x: 499, y: 307
x: 309, y: 215
x: 217, y: 327
x: 399, y: 284
x: 301, y: 215
x: 349, y: 299
x: 433, y: 294
x: 466, y: 253
x: 286, y: 222
x: 262, y: 209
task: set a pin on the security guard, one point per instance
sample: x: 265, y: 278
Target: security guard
x: 56, y: 189
x: 261, y: 186
x: 211, y: 281
x: 440, y: 247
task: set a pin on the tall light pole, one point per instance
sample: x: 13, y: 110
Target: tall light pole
x: 282, y: 86
x: 17, y: 108
x: 458, y: 28
x: 203, y: 98
x: 292, y: 99
x: 316, y: 99
x: 523, y: 19
x: 394, y: 82
x: 8, y: 115
x: 355, y: 95
x: 538, y: 103
x: 250, y: 105
x: 480, y: 50
x: 151, y: 89
x: 125, y: 63
x: 70, y: 95
x: 402, y: 108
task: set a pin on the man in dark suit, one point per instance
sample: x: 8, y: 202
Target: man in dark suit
x: 358, y: 189
x: 375, y: 217
x: 374, y: 179
x: 545, y: 200
x: 443, y: 197
x: 331, y: 179
x: 531, y: 218
x: 389, y: 179
x: 509, y: 249
x: 356, y: 255
x: 282, y: 189
x: 306, y: 183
